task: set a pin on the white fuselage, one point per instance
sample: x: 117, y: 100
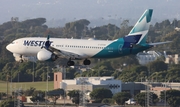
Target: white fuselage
x: 85, y: 48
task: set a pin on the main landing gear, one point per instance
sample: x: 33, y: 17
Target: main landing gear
x: 70, y: 63
x: 21, y: 60
x: 85, y: 62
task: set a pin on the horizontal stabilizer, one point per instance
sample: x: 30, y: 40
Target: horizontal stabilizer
x: 158, y: 43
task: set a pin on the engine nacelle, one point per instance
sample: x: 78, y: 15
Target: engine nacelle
x: 45, y: 55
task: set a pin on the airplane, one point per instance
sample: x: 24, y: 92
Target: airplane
x: 50, y: 49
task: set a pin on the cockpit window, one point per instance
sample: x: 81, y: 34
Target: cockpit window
x: 13, y: 42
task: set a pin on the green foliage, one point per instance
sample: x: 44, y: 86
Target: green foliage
x: 170, y: 75
x: 2, y: 94
x: 155, y: 98
x: 172, y: 97
x: 173, y: 74
x: 38, y: 96
x: 55, y: 94
x: 108, y: 101
x: 141, y: 97
x: 128, y: 76
x: 157, y: 66
x: 75, y: 100
x: 9, y: 103
x: 33, y: 22
x: 104, y: 65
x: 99, y: 94
x: 29, y: 91
x: 76, y: 29
x: 17, y: 70
x: 121, y: 97
x: 70, y: 73
x: 134, y: 73
x: 74, y: 95
x: 111, y: 67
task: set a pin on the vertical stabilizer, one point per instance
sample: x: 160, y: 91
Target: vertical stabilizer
x: 142, y: 26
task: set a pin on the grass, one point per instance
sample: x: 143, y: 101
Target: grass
x: 25, y: 85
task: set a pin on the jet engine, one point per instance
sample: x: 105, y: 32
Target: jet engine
x: 45, y: 55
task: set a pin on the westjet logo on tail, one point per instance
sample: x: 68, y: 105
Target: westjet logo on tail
x: 34, y: 43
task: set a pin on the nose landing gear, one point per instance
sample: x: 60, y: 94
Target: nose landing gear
x: 21, y: 60
x: 70, y: 63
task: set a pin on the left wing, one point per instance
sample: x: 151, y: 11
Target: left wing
x: 67, y: 53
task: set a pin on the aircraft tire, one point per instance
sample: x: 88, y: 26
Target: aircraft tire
x: 21, y: 61
x: 87, y: 62
x: 70, y: 63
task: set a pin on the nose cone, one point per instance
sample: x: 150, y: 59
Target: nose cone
x: 8, y: 47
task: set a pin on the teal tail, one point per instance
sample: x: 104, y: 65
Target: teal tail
x: 142, y: 26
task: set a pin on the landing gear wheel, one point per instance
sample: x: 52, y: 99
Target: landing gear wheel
x: 21, y: 61
x: 87, y: 62
x: 70, y: 63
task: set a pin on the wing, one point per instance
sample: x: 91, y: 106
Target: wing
x: 67, y: 53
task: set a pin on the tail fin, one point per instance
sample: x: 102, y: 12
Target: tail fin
x: 142, y: 26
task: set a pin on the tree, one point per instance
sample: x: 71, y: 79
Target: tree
x: 121, y: 97
x: 154, y: 97
x: 30, y: 91
x: 173, y: 75
x: 75, y: 100
x: 38, y: 96
x: 141, y: 97
x: 124, y: 29
x: 108, y: 101
x: 172, y: 97
x: 99, y: 94
x: 74, y: 95
x: 157, y: 66
x: 9, y: 103
x: 2, y: 94
x: 76, y: 29
x: 128, y: 76
x: 55, y: 94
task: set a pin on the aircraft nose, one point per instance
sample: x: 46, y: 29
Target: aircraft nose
x: 8, y: 47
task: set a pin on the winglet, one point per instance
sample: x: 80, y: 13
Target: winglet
x: 47, y: 43
x: 48, y: 37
